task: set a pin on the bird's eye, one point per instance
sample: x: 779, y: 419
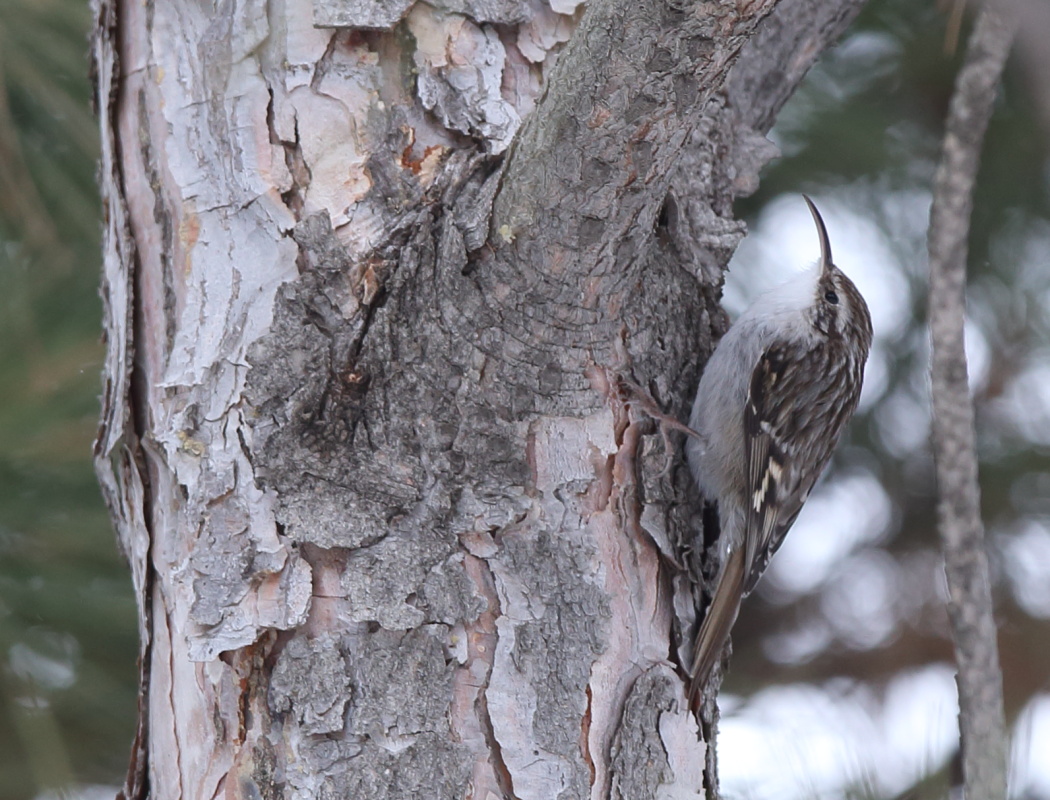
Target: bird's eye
x: 831, y: 297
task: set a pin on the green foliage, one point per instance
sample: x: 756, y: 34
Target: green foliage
x: 67, y: 616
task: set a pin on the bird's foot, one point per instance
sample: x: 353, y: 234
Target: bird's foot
x: 641, y: 399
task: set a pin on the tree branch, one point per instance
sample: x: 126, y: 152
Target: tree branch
x: 637, y: 98
x: 970, y: 605
x: 594, y: 160
x: 785, y: 46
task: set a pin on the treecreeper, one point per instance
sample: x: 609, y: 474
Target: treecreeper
x: 769, y: 409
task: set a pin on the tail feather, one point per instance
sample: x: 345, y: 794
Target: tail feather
x: 714, y: 631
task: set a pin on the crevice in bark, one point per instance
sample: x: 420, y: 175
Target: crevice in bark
x: 324, y: 63
x: 136, y: 781
x: 162, y: 219
x: 172, y: 670
x: 499, y: 766
x: 294, y: 161
x: 129, y: 458
x: 482, y: 640
x: 252, y: 679
x: 585, y: 731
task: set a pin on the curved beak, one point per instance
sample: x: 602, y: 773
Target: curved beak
x: 822, y: 234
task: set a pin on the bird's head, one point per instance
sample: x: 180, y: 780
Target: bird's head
x: 838, y: 310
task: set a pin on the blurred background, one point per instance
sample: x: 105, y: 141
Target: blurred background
x: 843, y: 683
x: 67, y: 616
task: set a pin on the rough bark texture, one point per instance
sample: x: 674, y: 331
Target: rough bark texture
x: 393, y: 531
x: 959, y: 508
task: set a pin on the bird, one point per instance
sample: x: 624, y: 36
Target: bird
x: 769, y: 410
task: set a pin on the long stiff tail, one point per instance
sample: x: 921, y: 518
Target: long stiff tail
x: 714, y: 631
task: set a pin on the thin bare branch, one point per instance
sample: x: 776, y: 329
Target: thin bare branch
x: 970, y: 605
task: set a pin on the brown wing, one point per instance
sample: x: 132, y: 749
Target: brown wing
x: 790, y: 430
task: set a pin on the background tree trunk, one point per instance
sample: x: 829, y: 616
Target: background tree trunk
x: 982, y: 726
x: 370, y: 271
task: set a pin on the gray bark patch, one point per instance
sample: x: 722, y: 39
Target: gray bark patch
x: 431, y: 767
x: 555, y: 651
x: 375, y: 14
x: 396, y: 741
x: 402, y: 683
x: 639, y: 760
x: 409, y: 578
x: 384, y: 14
x: 311, y: 682
x: 223, y: 566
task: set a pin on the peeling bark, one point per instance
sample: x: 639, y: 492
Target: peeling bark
x: 371, y: 270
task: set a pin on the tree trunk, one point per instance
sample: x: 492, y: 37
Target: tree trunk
x: 372, y: 271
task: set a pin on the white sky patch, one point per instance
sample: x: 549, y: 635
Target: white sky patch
x: 918, y: 725
x: 978, y: 355
x: 806, y: 742
x: 863, y: 58
x: 861, y: 605
x: 796, y: 646
x: 903, y: 423
x: 1027, y: 562
x: 1026, y: 249
x: 860, y: 602
x: 802, y: 742
x: 790, y: 742
x: 1025, y: 405
x: 876, y: 376
x: 842, y: 514
x: 1029, y: 763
